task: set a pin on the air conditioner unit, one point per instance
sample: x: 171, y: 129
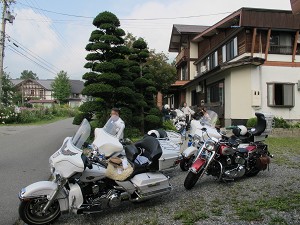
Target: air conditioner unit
x: 203, y: 69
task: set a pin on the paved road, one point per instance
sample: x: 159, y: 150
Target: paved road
x: 24, y: 154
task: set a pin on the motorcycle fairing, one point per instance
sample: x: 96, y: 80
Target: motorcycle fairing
x: 67, y: 160
x: 75, y: 197
x: 198, y: 164
x: 106, y: 143
x: 44, y: 188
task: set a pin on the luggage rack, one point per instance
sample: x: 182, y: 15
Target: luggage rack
x: 172, y: 142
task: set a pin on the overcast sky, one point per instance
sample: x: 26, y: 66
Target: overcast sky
x: 57, y: 42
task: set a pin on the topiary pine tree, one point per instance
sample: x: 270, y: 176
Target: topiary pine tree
x: 108, y: 82
x: 143, y: 86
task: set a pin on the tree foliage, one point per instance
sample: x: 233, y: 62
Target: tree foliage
x: 28, y: 75
x: 108, y: 64
x: 164, y: 73
x: 8, y: 90
x: 61, y: 87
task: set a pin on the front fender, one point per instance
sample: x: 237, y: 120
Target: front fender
x: 187, y: 153
x: 44, y: 188
x: 197, y: 165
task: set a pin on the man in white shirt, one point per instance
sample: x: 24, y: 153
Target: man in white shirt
x: 115, y: 112
x: 187, y: 112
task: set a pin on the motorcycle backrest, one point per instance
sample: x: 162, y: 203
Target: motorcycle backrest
x: 260, y: 125
x: 151, y: 149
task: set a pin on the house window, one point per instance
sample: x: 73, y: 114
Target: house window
x: 41, y: 93
x: 213, y: 60
x: 280, y: 95
x: 230, y: 50
x: 184, y: 73
x: 215, y: 93
x: 31, y: 92
x: 281, y: 43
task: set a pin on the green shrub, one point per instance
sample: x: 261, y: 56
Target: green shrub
x: 80, y: 116
x: 168, y: 125
x: 251, y: 122
x: 281, y: 123
x: 7, y: 114
x: 152, y: 122
x: 131, y: 132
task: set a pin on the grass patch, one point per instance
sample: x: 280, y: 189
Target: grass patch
x: 277, y: 220
x: 216, y: 211
x: 248, y: 212
x: 281, y: 203
x: 283, y: 148
x: 190, y: 216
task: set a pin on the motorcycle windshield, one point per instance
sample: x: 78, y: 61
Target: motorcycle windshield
x: 82, y: 134
x: 209, y: 118
x: 179, y: 113
x: 111, y: 127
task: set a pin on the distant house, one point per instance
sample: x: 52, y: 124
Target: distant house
x: 247, y: 62
x: 40, y: 91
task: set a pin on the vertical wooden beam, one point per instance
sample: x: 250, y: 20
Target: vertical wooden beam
x: 295, y: 46
x: 253, y: 41
x: 268, y: 44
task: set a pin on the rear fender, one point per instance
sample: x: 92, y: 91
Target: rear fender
x: 187, y: 153
x: 44, y: 188
x: 197, y: 165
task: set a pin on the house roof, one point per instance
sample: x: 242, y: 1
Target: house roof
x: 76, y: 85
x: 254, y: 17
x: 180, y: 29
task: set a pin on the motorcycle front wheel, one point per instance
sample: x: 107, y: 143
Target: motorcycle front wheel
x: 185, y: 164
x: 31, y: 211
x: 191, y: 179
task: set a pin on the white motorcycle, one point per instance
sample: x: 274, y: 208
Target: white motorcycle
x: 82, y: 186
x: 197, y: 137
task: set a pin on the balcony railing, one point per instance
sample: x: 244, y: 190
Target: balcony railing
x: 283, y: 50
x: 182, y: 56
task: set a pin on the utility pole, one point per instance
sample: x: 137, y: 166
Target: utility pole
x: 5, y: 16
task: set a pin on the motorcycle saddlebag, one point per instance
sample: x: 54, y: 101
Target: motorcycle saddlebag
x: 151, y: 183
x: 263, y: 162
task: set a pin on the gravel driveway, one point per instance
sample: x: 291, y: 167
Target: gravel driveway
x: 271, y: 197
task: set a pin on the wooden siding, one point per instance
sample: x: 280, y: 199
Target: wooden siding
x: 270, y: 19
x: 206, y: 46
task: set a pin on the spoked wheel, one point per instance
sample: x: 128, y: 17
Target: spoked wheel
x: 185, y: 164
x: 191, y: 179
x: 31, y: 211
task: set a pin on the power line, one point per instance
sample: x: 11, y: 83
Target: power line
x: 23, y: 55
x: 28, y: 51
x: 159, y: 18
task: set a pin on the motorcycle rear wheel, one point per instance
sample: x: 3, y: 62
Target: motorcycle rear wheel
x: 252, y: 173
x: 191, y: 179
x: 185, y: 164
x: 31, y: 211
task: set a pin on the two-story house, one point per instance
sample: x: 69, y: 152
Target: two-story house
x: 181, y: 42
x: 248, y: 62
x: 40, y: 91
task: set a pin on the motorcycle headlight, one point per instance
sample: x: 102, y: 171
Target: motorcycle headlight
x: 209, y: 145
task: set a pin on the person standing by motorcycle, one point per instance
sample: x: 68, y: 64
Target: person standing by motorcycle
x: 118, y: 122
x: 187, y: 112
